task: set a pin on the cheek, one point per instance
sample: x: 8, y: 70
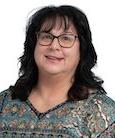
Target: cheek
x: 73, y: 56
x: 37, y: 54
x: 76, y: 53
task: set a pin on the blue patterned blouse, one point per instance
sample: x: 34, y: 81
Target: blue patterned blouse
x: 90, y: 118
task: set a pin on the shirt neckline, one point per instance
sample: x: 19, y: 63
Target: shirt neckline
x: 38, y: 113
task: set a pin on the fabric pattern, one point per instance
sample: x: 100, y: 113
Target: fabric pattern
x: 90, y: 118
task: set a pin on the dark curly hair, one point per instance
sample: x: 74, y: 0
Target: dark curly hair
x: 85, y: 79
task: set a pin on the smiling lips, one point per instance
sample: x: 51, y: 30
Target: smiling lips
x: 53, y: 58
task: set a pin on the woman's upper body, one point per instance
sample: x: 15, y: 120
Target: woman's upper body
x: 52, y: 97
x: 88, y: 118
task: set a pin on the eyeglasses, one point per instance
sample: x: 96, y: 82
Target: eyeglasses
x: 65, y: 40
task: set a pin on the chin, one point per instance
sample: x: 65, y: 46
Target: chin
x: 53, y: 72
x: 51, y: 69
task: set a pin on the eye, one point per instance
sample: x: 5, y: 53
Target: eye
x: 67, y: 38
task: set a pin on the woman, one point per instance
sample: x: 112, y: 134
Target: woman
x: 57, y: 94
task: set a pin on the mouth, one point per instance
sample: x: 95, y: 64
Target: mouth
x: 54, y: 58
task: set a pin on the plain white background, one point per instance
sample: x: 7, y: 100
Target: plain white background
x: 13, y: 18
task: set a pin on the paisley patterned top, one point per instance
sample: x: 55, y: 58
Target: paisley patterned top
x: 90, y: 118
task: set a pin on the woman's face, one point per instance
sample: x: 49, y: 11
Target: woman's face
x: 54, y: 59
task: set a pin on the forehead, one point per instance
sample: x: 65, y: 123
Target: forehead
x: 58, y: 23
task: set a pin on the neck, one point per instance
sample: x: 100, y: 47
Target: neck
x: 53, y: 87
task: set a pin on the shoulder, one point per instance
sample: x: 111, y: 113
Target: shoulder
x: 2, y: 93
x: 6, y: 100
x: 100, y: 114
x: 101, y: 103
x: 6, y: 94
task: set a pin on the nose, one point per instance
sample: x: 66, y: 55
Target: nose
x: 55, y: 44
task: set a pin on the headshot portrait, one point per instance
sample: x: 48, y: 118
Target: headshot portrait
x: 57, y: 92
